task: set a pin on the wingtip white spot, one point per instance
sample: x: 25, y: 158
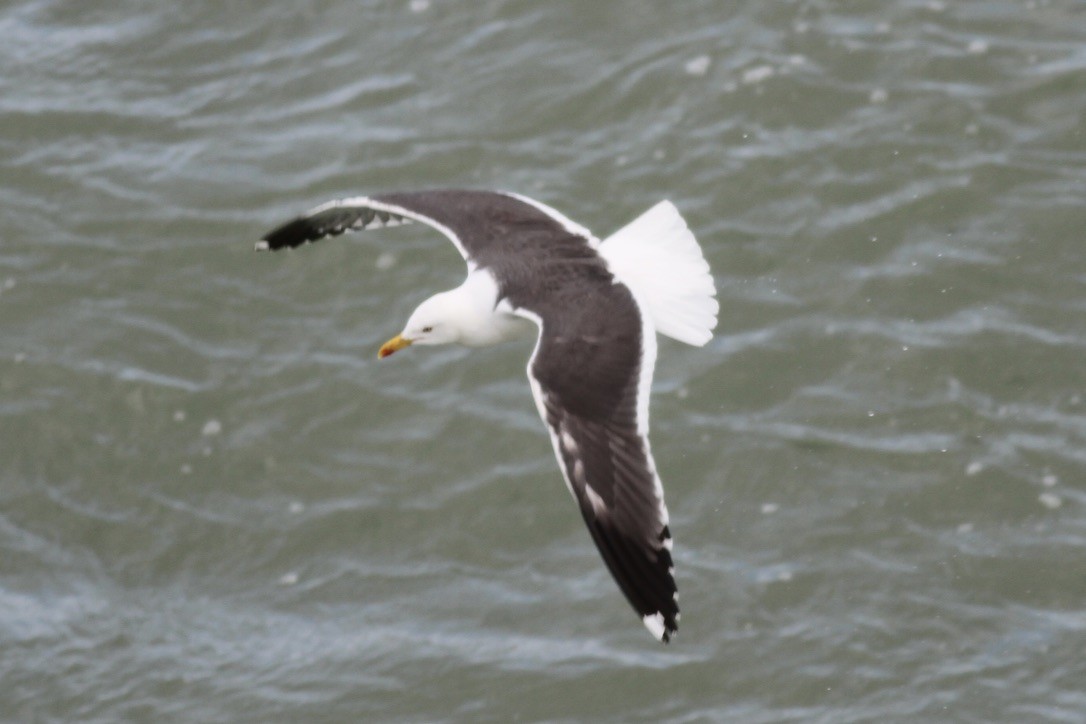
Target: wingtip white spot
x: 261, y: 246
x: 654, y: 622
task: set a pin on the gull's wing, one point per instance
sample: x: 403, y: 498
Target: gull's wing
x: 488, y: 228
x: 590, y: 375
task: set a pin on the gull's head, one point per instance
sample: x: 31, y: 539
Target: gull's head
x: 467, y: 315
x: 435, y: 321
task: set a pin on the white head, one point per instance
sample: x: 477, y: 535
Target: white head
x: 467, y: 315
x: 438, y: 320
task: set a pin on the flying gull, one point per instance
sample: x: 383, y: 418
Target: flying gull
x: 598, y: 306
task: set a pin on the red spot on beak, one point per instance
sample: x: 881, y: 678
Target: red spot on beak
x: 393, y: 345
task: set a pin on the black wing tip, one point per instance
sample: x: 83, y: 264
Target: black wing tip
x: 646, y: 576
x: 656, y: 597
x: 290, y: 235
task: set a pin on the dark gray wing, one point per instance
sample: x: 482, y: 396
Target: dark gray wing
x: 590, y: 374
x: 487, y: 227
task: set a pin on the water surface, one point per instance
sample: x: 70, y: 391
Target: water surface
x: 215, y: 504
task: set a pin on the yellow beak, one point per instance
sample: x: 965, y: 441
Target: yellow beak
x: 393, y: 345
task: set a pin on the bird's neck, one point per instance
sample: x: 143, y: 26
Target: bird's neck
x: 481, y: 321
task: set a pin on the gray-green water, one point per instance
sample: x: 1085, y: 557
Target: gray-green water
x: 216, y: 505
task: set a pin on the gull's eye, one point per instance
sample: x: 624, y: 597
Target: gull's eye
x: 427, y: 330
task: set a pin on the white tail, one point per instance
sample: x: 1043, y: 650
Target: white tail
x: 658, y: 257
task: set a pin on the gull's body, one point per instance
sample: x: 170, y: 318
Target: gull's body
x: 597, y: 307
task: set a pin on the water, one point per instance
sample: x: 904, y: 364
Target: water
x: 215, y: 504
